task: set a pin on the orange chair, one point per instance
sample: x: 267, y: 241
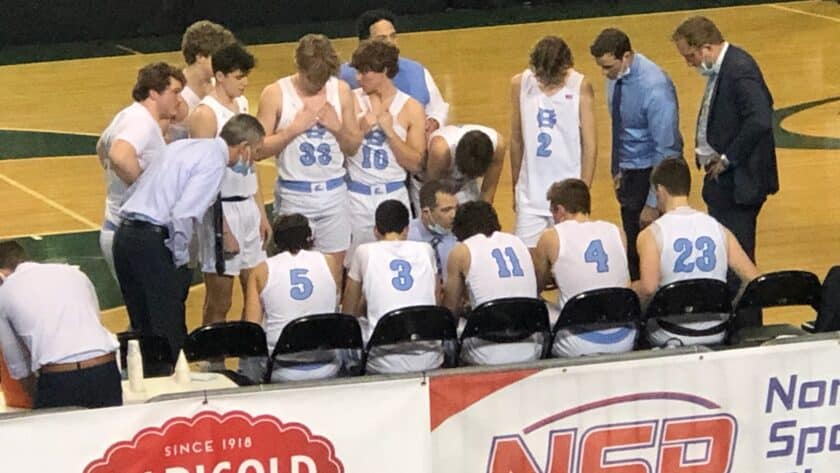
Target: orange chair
x: 12, y: 390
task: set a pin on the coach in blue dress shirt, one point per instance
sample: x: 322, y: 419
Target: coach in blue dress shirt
x: 151, y: 245
x: 645, y: 129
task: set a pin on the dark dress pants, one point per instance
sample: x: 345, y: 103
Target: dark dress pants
x: 97, y: 386
x: 632, y: 194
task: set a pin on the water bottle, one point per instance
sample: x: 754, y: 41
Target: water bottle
x: 134, y: 360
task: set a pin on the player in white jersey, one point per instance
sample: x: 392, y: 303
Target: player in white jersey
x: 552, y: 133
x: 133, y: 140
x: 685, y: 244
x: 394, y: 137
x: 390, y: 274
x: 198, y: 44
x: 310, y: 115
x: 580, y: 254
x: 487, y: 265
x: 244, y: 224
x: 471, y: 156
x: 294, y: 283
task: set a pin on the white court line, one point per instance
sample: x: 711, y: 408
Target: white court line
x: 127, y: 49
x: 807, y: 13
x: 50, y: 202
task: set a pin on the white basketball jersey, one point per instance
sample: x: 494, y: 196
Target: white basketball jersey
x: 180, y: 131
x: 693, y: 246
x: 375, y: 162
x: 551, y: 139
x: 233, y: 184
x: 314, y: 155
x: 452, y: 134
x: 591, y: 257
x: 396, y: 274
x: 297, y: 285
x: 500, y: 266
x: 135, y: 125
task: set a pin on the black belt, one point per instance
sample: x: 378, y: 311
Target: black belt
x: 144, y: 225
x: 236, y: 198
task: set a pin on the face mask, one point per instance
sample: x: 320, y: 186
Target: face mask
x: 438, y: 228
x: 704, y: 69
x: 242, y: 167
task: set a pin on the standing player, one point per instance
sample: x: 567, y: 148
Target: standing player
x: 580, y: 255
x: 552, y: 133
x: 245, y: 225
x: 133, y: 140
x: 311, y: 119
x: 198, y: 44
x: 295, y: 282
x: 390, y: 274
x: 463, y: 154
x: 488, y: 264
x: 392, y: 123
x: 685, y: 244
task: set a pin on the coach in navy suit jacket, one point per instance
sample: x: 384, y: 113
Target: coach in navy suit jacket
x: 734, y: 129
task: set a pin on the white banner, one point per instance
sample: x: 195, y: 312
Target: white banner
x: 769, y: 410
x: 366, y: 427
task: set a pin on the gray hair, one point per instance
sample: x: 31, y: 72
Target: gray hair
x: 242, y: 127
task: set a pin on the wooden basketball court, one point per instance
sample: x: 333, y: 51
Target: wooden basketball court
x: 793, y: 43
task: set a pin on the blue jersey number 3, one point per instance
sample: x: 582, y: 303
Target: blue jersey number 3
x: 403, y: 280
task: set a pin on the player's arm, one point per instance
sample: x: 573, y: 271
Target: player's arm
x: 494, y: 172
x: 439, y: 160
x: 253, y: 287
x: 517, y: 148
x: 649, y: 274
x: 351, y: 302
x: 124, y: 161
x: 409, y: 153
x: 265, y: 222
x: 438, y: 109
x: 588, y: 136
x: 544, y: 256
x: 738, y: 259
x: 337, y: 271
x: 268, y: 113
x: 202, y: 122
x: 349, y: 136
x: 453, y: 290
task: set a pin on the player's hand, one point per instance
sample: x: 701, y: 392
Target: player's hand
x: 328, y: 118
x: 648, y: 215
x: 367, y: 122
x: 431, y: 125
x: 305, y: 119
x: 386, y: 122
x: 265, y: 229
x: 230, y: 245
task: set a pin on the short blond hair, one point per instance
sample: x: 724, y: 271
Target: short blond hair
x: 316, y: 59
x: 204, y: 38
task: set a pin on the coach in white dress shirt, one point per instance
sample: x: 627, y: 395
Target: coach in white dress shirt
x: 151, y: 246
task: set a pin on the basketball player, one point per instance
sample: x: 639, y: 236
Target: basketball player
x: 552, y: 133
x: 311, y: 115
x: 685, y: 244
x: 488, y: 264
x: 198, y: 44
x: 294, y: 283
x: 580, y: 254
x: 133, y: 140
x: 245, y: 224
x: 471, y: 156
x: 389, y: 274
x: 394, y: 143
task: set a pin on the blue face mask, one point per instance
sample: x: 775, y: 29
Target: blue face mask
x: 241, y: 167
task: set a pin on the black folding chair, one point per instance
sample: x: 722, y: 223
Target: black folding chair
x: 681, y: 303
x: 777, y: 289
x: 416, y: 324
x: 509, y: 320
x: 330, y: 338
x: 157, y: 356
x: 604, y: 308
x: 238, y: 339
x: 828, y: 315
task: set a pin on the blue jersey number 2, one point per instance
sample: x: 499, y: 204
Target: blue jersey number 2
x: 707, y: 260
x: 544, y: 150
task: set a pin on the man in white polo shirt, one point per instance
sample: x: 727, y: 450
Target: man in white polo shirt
x: 59, y: 337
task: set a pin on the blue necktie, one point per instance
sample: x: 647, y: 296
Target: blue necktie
x: 436, y: 240
x: 615, y: 111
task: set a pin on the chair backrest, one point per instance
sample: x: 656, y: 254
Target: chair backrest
x: 782, y: 288
x: 691, y: 296
x: 828, y: 316
x: 226, y: 339
x: 413, y: 324
x: 507, y: 320
x: 157, y: 356
x: 601, y: 306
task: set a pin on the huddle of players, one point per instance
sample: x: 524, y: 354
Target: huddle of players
x: 343, y: 159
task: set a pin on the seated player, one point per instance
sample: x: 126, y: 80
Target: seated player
x: 580, y: 255
x: 489, y: 264
x: 389, y: 274
x: 685, y: 244
x: 294, y: 283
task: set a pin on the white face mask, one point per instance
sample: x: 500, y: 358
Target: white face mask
x: 705, y: 70
x: 438, y: 228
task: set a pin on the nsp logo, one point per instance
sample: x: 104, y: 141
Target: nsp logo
x: 690, y: 444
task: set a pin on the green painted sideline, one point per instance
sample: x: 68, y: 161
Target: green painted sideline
x: 26, y: 144
x: 793, y: 140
